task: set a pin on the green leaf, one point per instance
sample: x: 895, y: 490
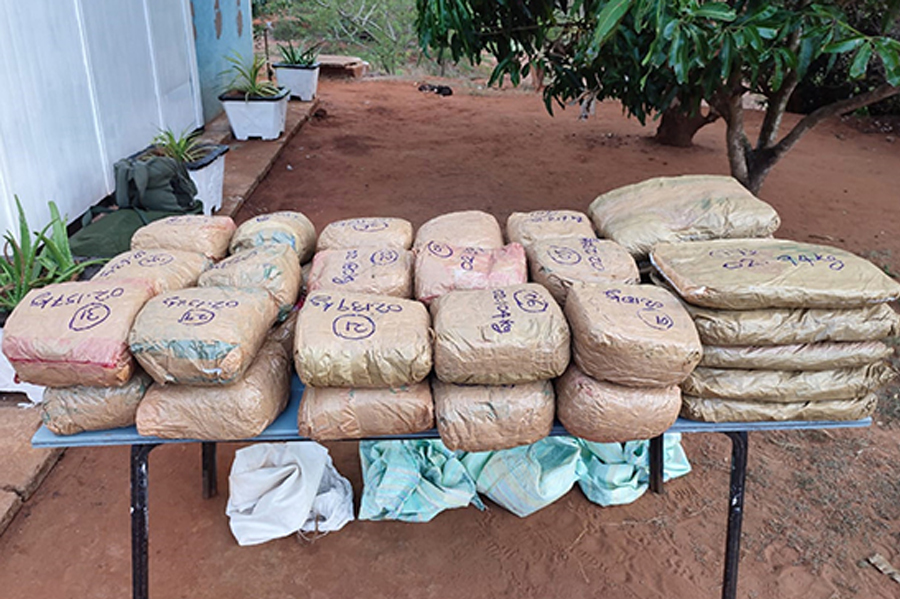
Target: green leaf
x: 718, y: 11
x: 860, y: 62
x: 608, y: 19
x: 844, y: 45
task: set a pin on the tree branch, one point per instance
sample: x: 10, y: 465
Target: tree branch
x: 768, y: 133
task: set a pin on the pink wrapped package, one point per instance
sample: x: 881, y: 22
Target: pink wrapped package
x: 441, y: 268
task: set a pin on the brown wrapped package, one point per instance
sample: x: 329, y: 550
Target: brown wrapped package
x: 507, y: 335
x: 466, y: 229
x: 477, y: 418
x: 799, y: 357
x: 190, y: 233
x: 752, y: 274
x: 233, y: 412
x: 679, y: 209
x: 557, y: 263
x: 85, y: 408
x: 634, y: 335
x: 357, y: 340
x: 167, y: 269
x: 383, y: 271
x: 714, y: 410
x: 530, y: 227
x: 786, y: 386
x: 353, y: 413
x: 370, y: 231
x: 202, y: 336
x: 605, y: 412
x: 273, y: 268
x: 284, y: 227
x: 75, y: 333
x: 442, y: 268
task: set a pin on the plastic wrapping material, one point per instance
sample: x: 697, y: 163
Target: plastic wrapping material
x: 508, y: 335
x: 714, y: 410
x: 75, y: 333
x: 466, y: 229
x: 557, y: 263
x: 283, y: 227
x: 273, y: 268
x: 679, y: 209
x: 634, y: 335
x: 202, y: 336
x: 167, y: 269
x: 352, y: 413
x: 374, y: 231
x: 530, y: 227
x: 752, y: 274
x: 475, y: 418
x: 800, y: 357
x: 190, y: 233
x: 357, y: 340
x: 786, y: 386
x: 82, y: 408
x: 442, y: 268
x: 232, y: 412
x: 382, y: 271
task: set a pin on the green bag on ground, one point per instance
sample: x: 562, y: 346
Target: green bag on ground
x: 154, y: 183
x: 110, y: 235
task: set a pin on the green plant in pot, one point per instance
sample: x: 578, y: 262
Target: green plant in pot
x: 256, y: 107
x: 205, y: 163
x: 299, y: 70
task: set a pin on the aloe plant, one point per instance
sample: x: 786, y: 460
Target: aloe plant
x: 299, y: 56
x: 246, y: 78
x: 185, y: 147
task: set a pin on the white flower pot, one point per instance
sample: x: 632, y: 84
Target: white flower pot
x: 257, y: 117
x: 302, y: 81
x: 208, y: 174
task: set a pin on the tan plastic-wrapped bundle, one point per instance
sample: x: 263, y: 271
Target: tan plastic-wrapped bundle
x: 530, y: 227
x: 202, y: 336
x: 466, y: 229
x: 284, y: 227
x: 441, y: 268
x: 557, y: 263
x: 805, y: 357
x: 190, y: 233
x: 75, y: 333
x: 476, y: 418
x: 352, y: 413
x: 358, y: 340
x: 372, y: 231
x: 716, y: 410
x: 601, y: 411
x: 507, y: 335
x: 633, y: 335
x: 238, y: 411
x: 273, y: 268
x: 381, y: 271
x: 752, y: 274
x: 167, y: 269
x: 70, y: 410
x: 680, y: 209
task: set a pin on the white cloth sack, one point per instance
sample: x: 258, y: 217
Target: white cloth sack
x: 8, y: 382
x: 278, y: 489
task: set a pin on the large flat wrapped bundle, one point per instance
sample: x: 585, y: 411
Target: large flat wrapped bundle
x: 716, y: 410
x: 284, y: 227
x: 383, y: 271
x: 358, y: 340
x: 75, y: 333
x: 167, y: 269
x: 680, y: 209
x: 633, y: 335
x: 503, y: 336
x: 353, y: 413
x: 557, y: 263
x: 751, y: 274
x: 373, y: 231
x: 202, y: 336
x: 530, y: 227
x: 477, y: 418
x: 800, y: 357
x: 467, y: 229
x: 273, y: 268
x: 238, y: 411
x: 189, y: 233
x: 70, y: 410
x: 786, y: 386
x: 442, y: 268
x: 601, y: 411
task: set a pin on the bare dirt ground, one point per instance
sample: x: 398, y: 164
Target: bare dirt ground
x: 819, y: 503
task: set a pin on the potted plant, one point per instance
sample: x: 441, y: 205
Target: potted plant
x: 255, y: 107
x: 205, y: 163
x: 299, y: 70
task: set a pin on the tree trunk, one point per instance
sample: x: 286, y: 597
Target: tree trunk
x: 678, y: 129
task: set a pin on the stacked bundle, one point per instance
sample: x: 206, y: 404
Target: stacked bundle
x: 789, y: 329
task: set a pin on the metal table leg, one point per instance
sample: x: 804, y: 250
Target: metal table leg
x: 657, y: 465
x: 139, y: 524
x: 735, y: 511
x: 210, y: 483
